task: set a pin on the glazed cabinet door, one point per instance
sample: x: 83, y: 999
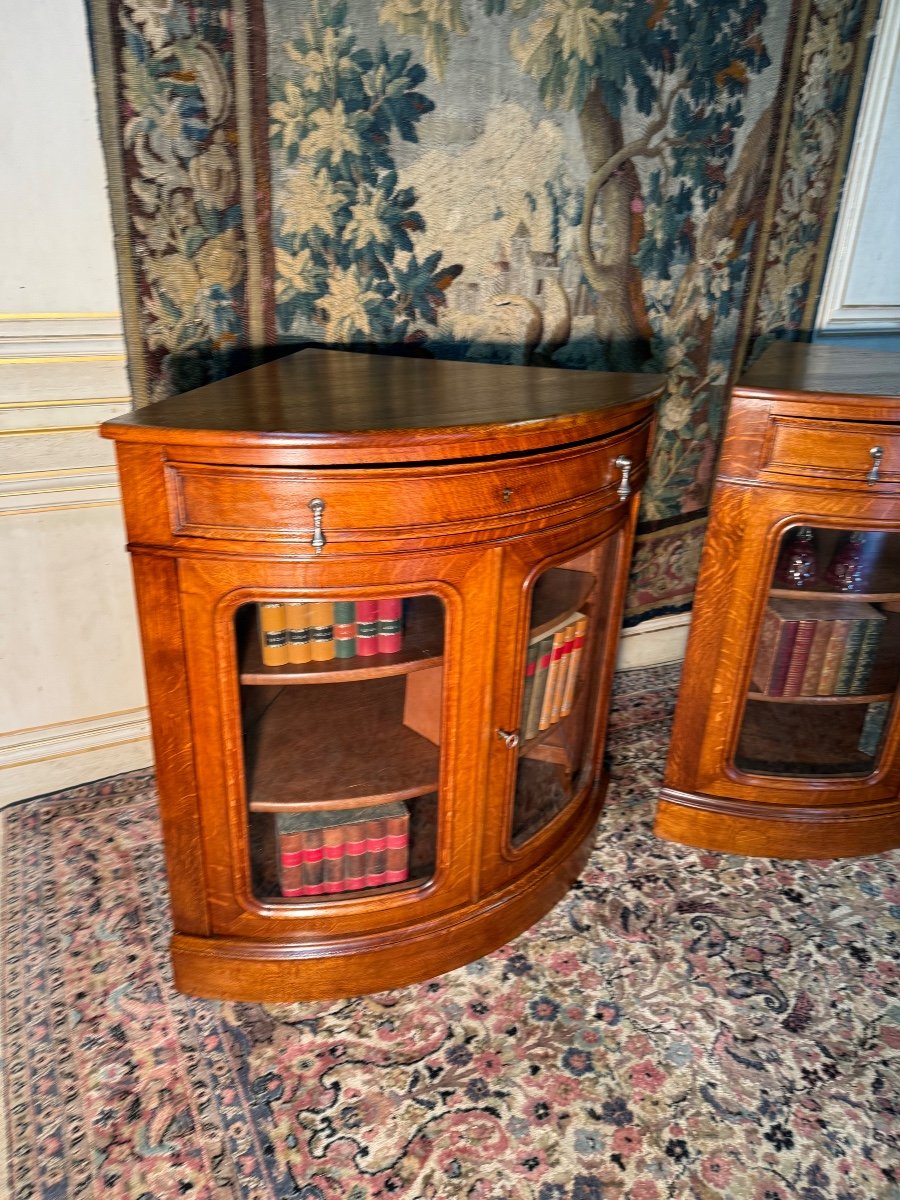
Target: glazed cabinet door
x: 331, y: 748
x: 560, y: 619
x: 826, y: 663
x: 803, y: 656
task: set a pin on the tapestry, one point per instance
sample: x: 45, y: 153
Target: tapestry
x: 683, y: 1025
x: 646, y: 186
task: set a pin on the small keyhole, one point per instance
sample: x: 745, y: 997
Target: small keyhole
x: 507, y: 495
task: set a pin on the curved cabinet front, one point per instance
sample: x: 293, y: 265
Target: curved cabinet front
x: 352, y: 796
x: 786, y: 740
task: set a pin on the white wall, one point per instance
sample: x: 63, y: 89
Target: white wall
x: 72, y: 705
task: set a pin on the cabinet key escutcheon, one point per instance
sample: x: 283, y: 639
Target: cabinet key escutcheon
x: 318, y: 537
x: 877, y: 452
x: 623, y: 462
x: 510, y: 737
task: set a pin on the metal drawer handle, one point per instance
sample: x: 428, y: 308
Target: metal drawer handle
x: 623, y: 462
x: 318, y: 537
x: 877, y: 453
x: 510, y: 737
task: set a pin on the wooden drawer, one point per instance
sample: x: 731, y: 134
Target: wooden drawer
x: 833, y: 449
x: 273, y: 504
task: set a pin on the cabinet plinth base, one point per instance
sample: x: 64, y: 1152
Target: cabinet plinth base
x: 755, y: 829
x: 222, y: 968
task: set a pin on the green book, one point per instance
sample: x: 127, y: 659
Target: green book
x: 344, y: 629
x: 866, y: 657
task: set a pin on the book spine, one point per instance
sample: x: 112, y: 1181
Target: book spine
x: 552, y: 672
x: 782, y: 660
x: 397, y: 848
x: 545, y: 652
x: 344, y: 629
x: 376, y: 853
x: 273, y: 643
x: 814, y: 664
x: 574, y: 666
x: 312, y: 868
x: 769, y: 633
x: 334, y: 853
x: 799, y: 657
x: 366, y: 628
x: 530, y: 672
x: 873, y: 726
x: 300, y: 863
x: 834, y: 654
x: 298, y: 632
x: 321, y: 615
x: 390, y: 625
x: 355, y: 852
x: 563, y: 673
x: 866, y: 658
x: 850, y: 659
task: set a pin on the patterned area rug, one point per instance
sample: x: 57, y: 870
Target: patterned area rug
x: 683, y: 1024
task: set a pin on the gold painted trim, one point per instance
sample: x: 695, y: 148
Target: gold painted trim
x: 38, y: 429
x: 64, y: 403
x: 96, y: 749
x: 118, y: 712
x: 33, y: 509
x: 35, y: 360
x: 61, y: 316
x: 58, y: 472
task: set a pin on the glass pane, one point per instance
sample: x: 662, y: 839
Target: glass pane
x: 827, y: 660
x: 556, y: 724
x: 341, y: 710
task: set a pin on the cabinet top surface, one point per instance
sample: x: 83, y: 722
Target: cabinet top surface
x: 817, y: 371
x: 340, y: 399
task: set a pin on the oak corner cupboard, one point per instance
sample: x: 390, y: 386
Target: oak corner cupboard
x: 786, y: 741
x: 379, y: 601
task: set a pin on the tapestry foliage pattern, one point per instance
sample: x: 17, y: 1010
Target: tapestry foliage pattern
x: 645, y: 186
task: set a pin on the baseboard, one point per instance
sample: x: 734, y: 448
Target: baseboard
x: 68, y: 753
x: 654, y: 643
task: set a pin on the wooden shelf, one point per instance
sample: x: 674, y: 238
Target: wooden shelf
x: 814, y: 594
x: 869, y: 699
x: 557, y: 593
x: 792, y: 742
x: 339, y: 747
x: 550, y: 745
x: 423, y: 641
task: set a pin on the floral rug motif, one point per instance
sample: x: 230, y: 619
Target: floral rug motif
x: 682, y: 1024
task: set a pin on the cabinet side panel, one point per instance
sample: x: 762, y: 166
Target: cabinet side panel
x: 714, y: 644
x: 156, y: 585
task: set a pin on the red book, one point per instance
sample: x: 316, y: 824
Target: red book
x: 333, y: 872
x: 356, y: 843
x: 326, y: 851
x: 366, y: 627
x: 390, y: 625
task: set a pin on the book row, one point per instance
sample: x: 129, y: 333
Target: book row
x: 320, y: 630
x: 551, y: 673
x: 323, y: 852
x: 820, y: 648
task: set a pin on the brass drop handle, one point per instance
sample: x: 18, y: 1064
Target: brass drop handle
x: 877, y: 452
x: 318, y: 537
x: 624, y: 463
x: 510, y: 737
